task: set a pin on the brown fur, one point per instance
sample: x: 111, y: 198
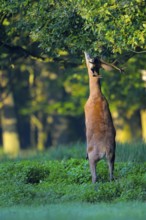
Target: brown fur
x: 100, y: 131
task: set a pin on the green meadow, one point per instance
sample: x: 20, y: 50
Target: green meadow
x: 71, y: 211
x: 57, y: 184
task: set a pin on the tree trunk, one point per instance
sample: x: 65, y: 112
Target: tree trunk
x: 41, y: 140
x: 41, y: 134
x: 10, y: 137
x: 143, y: 124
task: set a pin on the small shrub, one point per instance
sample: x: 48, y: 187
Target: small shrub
x: 36, y: 175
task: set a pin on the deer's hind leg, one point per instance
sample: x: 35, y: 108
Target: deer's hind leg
x: 92, y: 164
x: 111, y: 160
x: 93, y: 159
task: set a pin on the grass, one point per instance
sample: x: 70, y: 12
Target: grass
x: 56, y: 184
x: 47, y: 182
x: 133, y: 152
x: 71, y: 211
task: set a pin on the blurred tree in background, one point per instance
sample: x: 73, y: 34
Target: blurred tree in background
x: 43, y: 80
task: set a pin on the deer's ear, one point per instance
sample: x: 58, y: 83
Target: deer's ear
x: 106, y: 67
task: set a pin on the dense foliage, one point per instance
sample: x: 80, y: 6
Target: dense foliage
x: 105, y: 27
x: 29, y: 182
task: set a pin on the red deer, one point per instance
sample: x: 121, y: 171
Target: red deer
x: 100, y: 131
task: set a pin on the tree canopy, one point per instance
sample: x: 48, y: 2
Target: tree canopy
x: 106, y: 28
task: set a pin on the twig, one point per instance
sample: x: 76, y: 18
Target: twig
x: 137, y: 51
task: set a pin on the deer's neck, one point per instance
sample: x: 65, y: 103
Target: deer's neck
x: 95, y: 86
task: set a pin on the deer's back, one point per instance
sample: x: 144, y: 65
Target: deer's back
x: 99, y: 123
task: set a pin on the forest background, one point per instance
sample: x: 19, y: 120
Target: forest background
x: 43, y: 77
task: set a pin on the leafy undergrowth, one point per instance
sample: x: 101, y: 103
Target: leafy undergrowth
x: 28, y: 182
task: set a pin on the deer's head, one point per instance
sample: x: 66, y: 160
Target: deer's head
x: 93, y: 64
